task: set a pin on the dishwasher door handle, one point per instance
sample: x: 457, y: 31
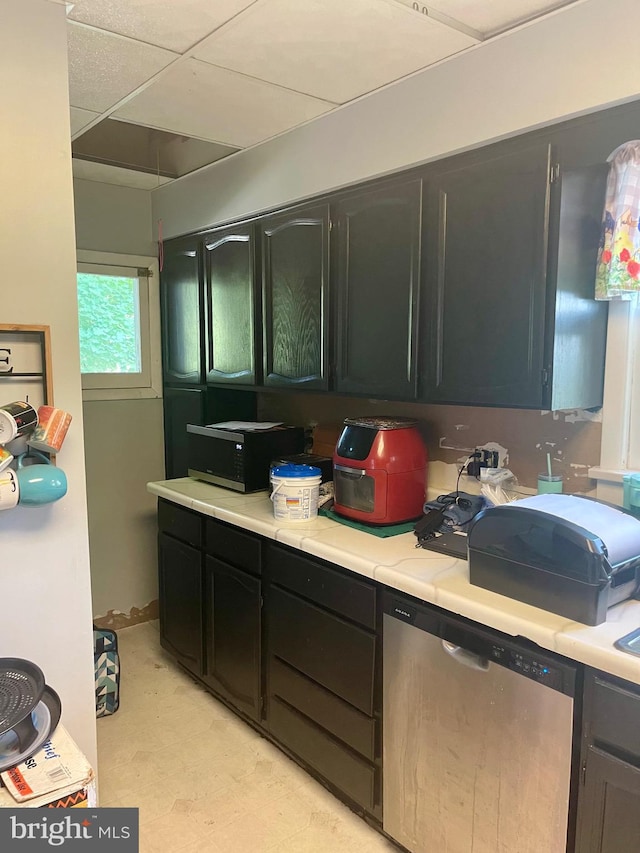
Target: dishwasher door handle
x: 465, y: 657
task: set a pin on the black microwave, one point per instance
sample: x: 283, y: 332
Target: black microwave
x: 239, y: 459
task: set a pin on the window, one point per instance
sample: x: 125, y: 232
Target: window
x: 118, y: 326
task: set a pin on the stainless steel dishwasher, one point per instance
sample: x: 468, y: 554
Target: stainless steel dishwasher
x: 477, y: 736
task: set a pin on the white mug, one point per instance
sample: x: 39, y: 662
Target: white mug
x: 9, y: 489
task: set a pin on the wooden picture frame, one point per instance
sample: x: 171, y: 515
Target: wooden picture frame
x: 25, y: 364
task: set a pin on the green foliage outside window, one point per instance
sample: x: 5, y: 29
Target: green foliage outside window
x: 108, y: 316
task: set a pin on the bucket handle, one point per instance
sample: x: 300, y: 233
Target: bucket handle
x: 275, y: 491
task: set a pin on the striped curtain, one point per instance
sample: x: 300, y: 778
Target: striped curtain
x: 618, y: 267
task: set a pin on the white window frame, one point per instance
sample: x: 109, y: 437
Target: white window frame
x: 620, y: 448
x: 147, y: 383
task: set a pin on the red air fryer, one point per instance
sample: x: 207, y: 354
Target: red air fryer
x: 380, y: 470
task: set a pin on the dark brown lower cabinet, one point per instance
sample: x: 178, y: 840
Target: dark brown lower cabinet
x: 180, y: 596
x: 232, y: 628
x: 611, y: 813
x: 609, y: 797
x: 321, y: 684
x: 210, y: 610
x: 308, y: 674
x: 323, y: 674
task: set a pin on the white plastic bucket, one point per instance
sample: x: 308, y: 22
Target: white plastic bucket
x: 295, y: 490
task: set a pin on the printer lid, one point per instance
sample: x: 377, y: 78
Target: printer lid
x: 567, y: 535
x: 618, y: 530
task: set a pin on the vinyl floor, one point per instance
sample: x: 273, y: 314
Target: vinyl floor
x: 203, y: 780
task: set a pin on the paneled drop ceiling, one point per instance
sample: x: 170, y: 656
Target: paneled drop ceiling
x: 159, y: 88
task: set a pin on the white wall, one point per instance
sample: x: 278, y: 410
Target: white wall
x: 124, y: 440
x: 566, y: 65
x: 45, y: 599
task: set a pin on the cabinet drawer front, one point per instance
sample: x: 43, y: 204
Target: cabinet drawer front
x: 346, y: 771
x: 349, y: 596
x: 233, y: 546
x: 180, y: 522
x: 337, y: 717
x: 339, y: 656
x: 614, y: 714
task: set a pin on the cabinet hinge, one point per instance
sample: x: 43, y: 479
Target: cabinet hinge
x: 583, y: 773
x: 554, y: 173
x: 545, y: 377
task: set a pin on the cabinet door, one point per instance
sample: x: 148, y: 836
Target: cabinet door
x: 486, y: 238
x: 295, y: 251
x: 180, y: 594
x: 182, y: 406
x: 378, y: 273
x: 232, y: 635
x: 230, y: 296
x: 182, y: 311
x: 609, y: 805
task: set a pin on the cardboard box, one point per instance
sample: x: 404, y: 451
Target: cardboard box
x: 57, y: 776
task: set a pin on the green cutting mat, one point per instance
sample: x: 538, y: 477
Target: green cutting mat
x: 382, y: 532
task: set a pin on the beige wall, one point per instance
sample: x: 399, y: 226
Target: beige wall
x: 124, y: 451
x: 45, y: 598
x: 113, y: 219
x: 123, y: 438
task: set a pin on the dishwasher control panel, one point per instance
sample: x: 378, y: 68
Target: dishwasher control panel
x: 528, y: 665
x: 482, y: 644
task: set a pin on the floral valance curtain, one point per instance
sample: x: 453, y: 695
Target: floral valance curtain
x: 618, y: 267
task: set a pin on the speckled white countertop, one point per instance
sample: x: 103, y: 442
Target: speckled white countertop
x: 432, y: 577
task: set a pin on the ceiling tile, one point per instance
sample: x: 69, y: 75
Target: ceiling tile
x: 80, y: 118
x: 104, y: 174
x: 331, y: 49
x: 174, y: 24
x: 103, y: 68
x: 495, y: 16
x: 210, y: 103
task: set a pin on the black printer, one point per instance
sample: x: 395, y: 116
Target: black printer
x: 568, y: 554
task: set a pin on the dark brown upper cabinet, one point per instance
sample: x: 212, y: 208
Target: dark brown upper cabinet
x: 486, y: 281
x: 182, y: 311
x: 229, y: 262
x: 509, y: 317
x: 295, y: 299
x: 377, y: 275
